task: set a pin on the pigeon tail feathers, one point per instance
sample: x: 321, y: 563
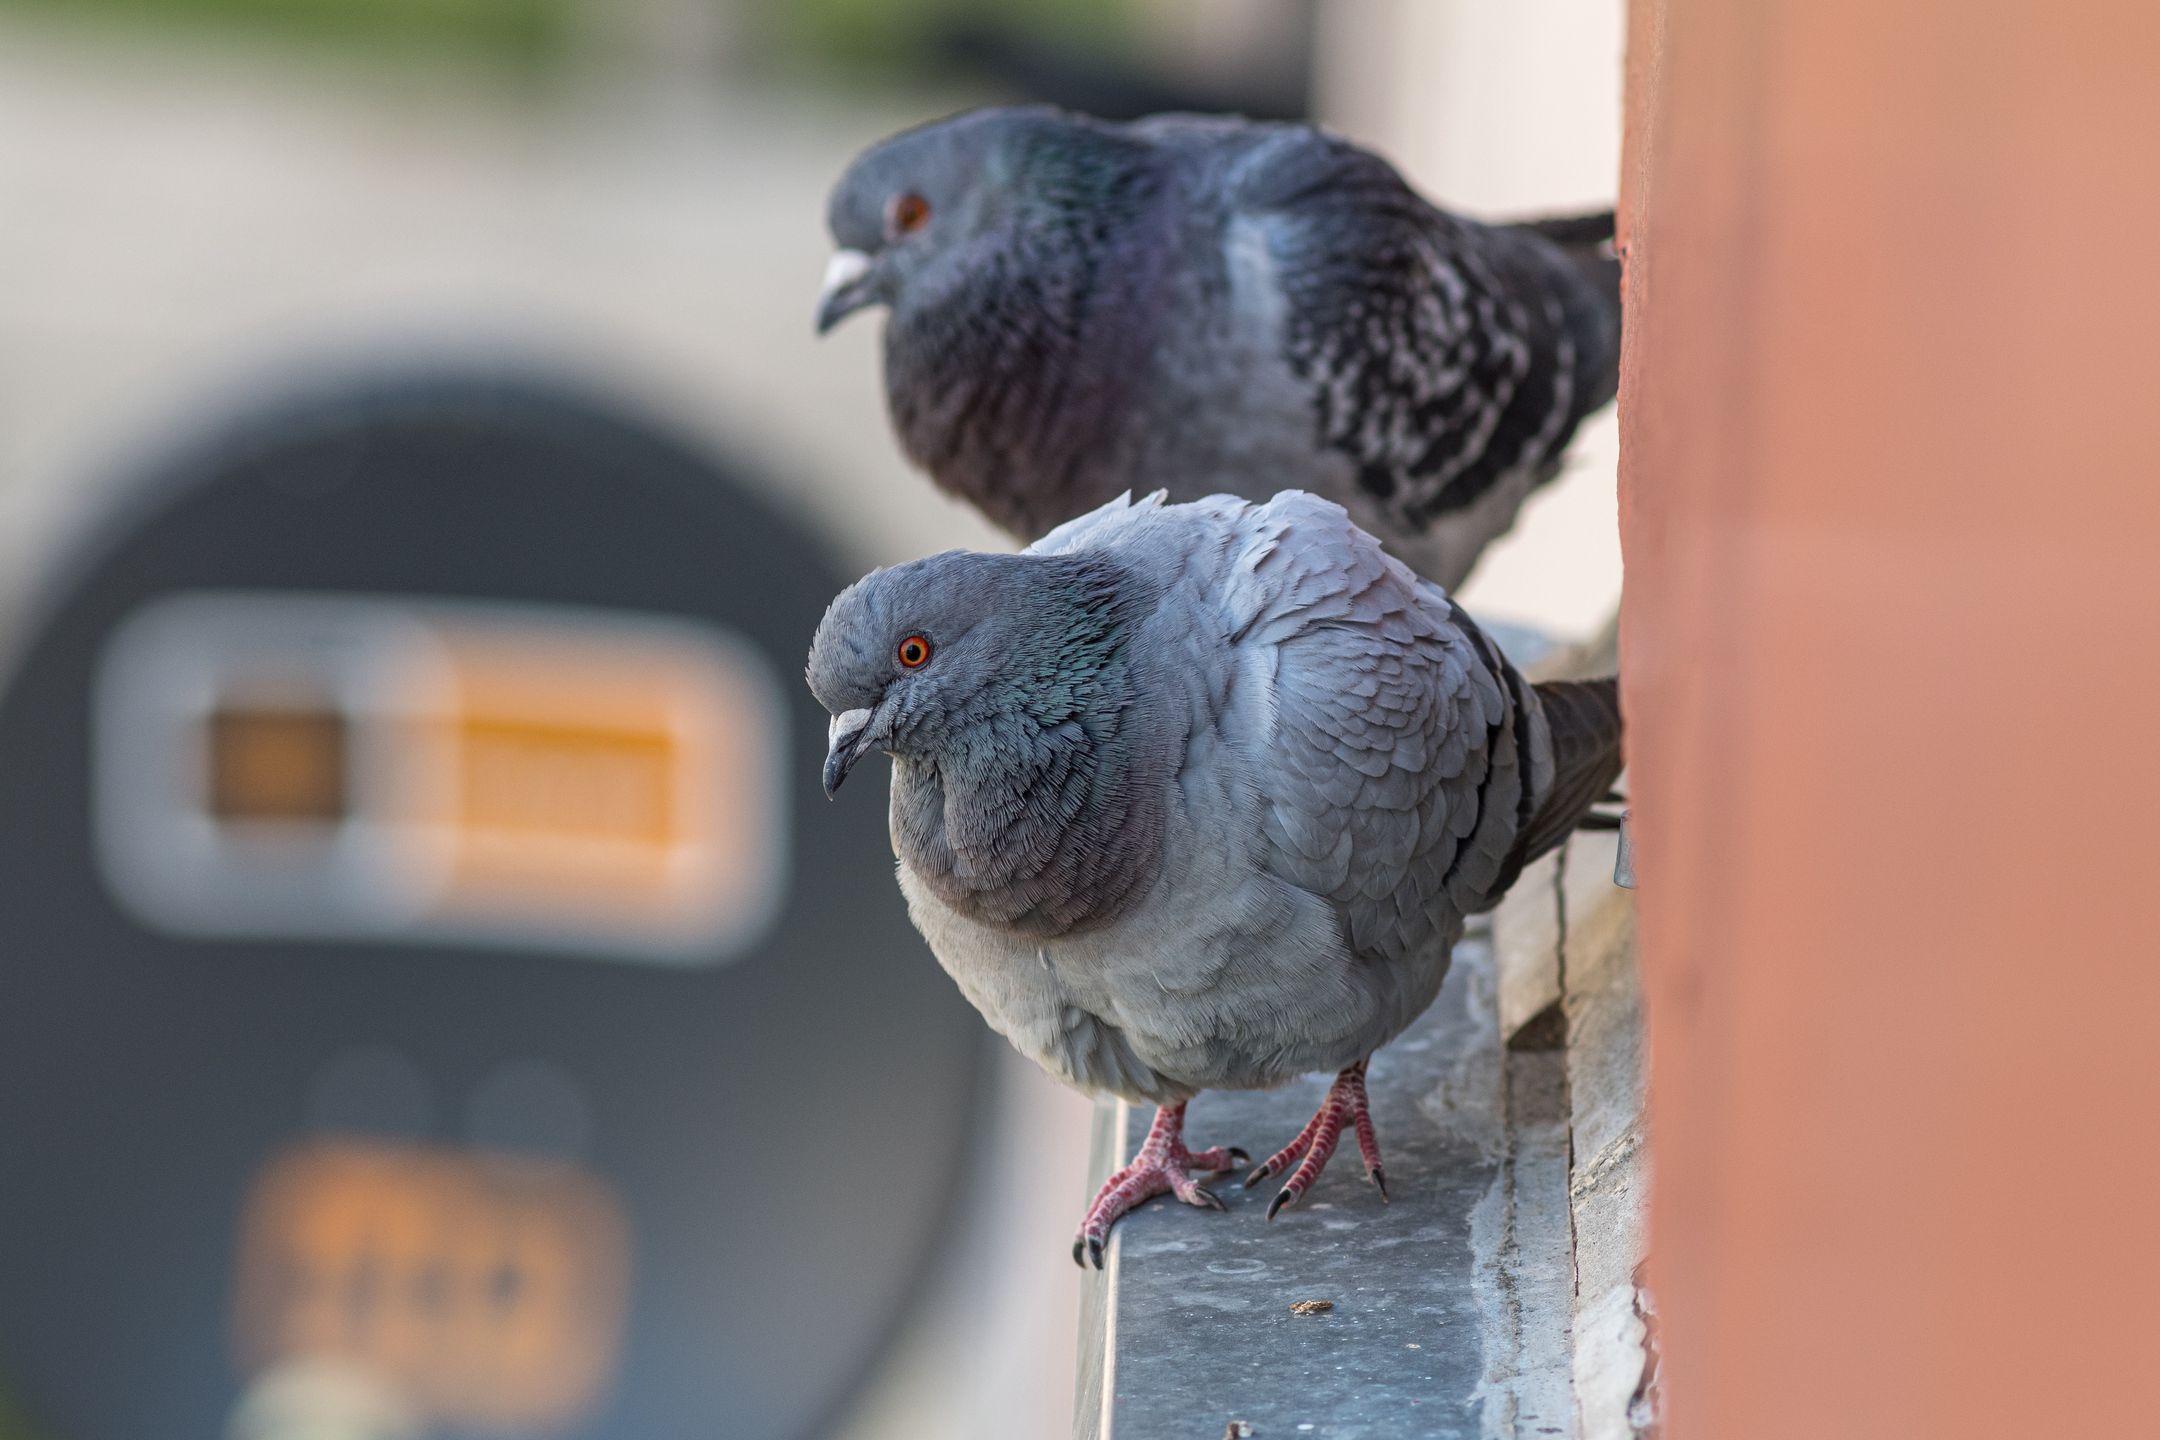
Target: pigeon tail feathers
x: 1583, y: 718
x: 1574, y: 232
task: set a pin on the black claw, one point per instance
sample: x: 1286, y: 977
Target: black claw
x: 1079, y: 1248
x: 1259, y: 1174
x: 1282, y: 1198
x: 1239, y: 1157
x: 1095, y: 1249
x: 1379, y: 1180
x: 1209, y: 1198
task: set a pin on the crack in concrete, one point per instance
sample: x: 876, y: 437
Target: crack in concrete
x: 1519, y: 1235
x: 1560, y: 970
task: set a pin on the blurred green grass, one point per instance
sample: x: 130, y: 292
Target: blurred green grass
x: 852, y: 36
x: 900, y: 34
x: 517, y: 32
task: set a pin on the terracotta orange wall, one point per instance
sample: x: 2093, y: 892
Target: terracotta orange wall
x: 1891, y: 504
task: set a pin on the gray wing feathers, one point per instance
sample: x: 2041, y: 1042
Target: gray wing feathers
x: 1396, y: 757
x: 1102, y: 526
x: 1390, y: 779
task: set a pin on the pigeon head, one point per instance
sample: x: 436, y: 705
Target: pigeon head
x: 918, y: 220
x: 955, y: 658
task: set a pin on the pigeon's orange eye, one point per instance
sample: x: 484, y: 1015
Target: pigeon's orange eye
x: 914, y: 652
x: 907, y: 214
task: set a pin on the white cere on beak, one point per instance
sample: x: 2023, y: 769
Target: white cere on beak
x: 845, y: 726
x: 840, y: 738
x: 847, y: 277
x: 843, y: 270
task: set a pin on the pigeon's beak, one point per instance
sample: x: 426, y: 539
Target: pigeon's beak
x: 843, y: 747
x: 850, y: 284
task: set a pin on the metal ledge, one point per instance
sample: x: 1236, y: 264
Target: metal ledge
x: 1451, y: 1305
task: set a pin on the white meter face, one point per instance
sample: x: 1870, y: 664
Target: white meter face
x: 380, y: 768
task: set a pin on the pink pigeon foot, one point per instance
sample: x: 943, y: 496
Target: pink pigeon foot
x: 1162, y: 1167
x: 1316, y: 1142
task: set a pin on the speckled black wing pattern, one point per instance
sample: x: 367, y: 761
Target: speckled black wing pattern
x: 1443, y: 355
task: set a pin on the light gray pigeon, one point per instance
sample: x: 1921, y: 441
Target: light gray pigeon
x: 1214, y: 306
x: 1193, y: 797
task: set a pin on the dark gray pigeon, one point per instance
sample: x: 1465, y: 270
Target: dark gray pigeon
x: 1193, y: 797
x: 1217, y: 306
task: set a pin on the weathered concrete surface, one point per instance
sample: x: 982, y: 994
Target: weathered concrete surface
x: 1520, y: 1234
x: 1528, y: 967
x: 1567, y: 926
x: 1553, y: 913
x: 1614, y: 1362
x: 1451, y: 1304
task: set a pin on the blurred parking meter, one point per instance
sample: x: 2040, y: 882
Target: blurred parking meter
x: 435, y: 997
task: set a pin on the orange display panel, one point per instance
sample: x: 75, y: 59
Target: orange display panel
x: 486, y: 1291
x: 406, y: 769
x: 563, y: 776
x: 276, y: 764
x: 520, y: 777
